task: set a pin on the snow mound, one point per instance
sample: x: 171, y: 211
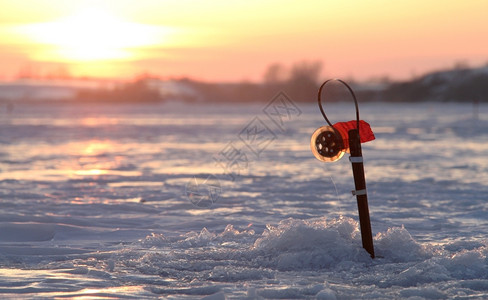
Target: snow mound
x: 312, y: 244
x: 319, y: 244
x: 292, y: 244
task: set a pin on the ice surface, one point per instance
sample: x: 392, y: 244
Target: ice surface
x: 95, y: 203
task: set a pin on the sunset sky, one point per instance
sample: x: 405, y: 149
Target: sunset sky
x: 234, y: 40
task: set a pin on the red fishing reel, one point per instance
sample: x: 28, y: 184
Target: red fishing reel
x: 329, y: 143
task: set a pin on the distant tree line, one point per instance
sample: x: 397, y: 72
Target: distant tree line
x: 300, y: 82
x: 461, y: 84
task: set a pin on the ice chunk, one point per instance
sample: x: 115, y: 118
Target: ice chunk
x: 469, y: 264
x: 398, y: 245
x: 326, y: 294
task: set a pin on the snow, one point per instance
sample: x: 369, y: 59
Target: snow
x: 96, y: 201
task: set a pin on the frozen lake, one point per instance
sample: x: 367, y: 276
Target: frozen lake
x: 227, y: 201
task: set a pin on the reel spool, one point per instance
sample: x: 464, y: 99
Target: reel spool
x: 327, y: 144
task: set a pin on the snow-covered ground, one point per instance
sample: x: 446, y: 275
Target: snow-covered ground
x: 227, y: 201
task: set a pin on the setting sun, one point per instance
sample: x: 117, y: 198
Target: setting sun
x: 92, y: 34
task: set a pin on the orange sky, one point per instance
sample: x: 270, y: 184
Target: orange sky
x: 236, y: 40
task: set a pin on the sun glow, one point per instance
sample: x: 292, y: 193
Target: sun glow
x: 93, y: 35
x: 237, y: 40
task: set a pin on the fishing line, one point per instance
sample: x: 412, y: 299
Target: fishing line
x: 337, y: 194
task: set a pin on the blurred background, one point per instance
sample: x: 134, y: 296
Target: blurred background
x: 241, y: 50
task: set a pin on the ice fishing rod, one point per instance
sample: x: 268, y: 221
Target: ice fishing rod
x: 329, y: 143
